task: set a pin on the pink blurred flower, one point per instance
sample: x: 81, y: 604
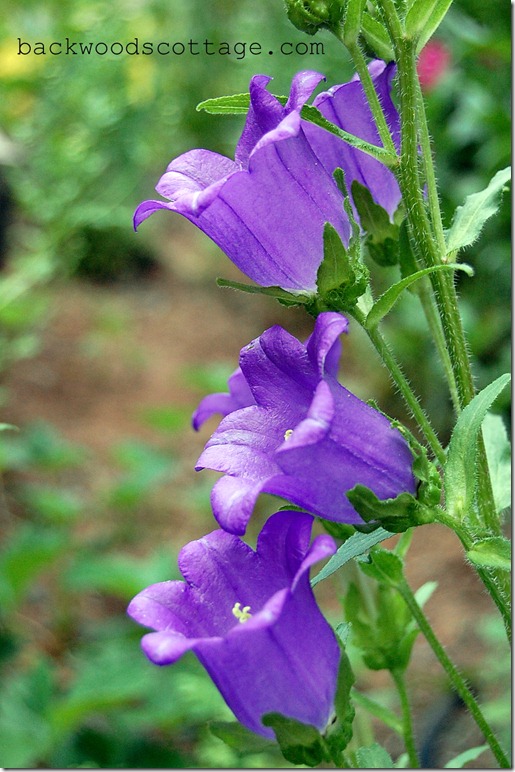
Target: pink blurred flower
x: 433, y: 62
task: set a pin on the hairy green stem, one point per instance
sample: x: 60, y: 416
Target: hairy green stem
x: 403, y: 385
x: 455, y: 677
x: 407, y: 724
x: 435, y: 326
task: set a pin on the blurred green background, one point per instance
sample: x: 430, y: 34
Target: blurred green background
x: 108, y: 339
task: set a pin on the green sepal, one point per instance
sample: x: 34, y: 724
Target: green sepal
x: 382, y: 239
x: 341, y: 279
x: 284, y: 297
x: 339, y: 733
x: 299, y: 743
x: 492, y: 552
x: 311, y: 15
x: 429, y: 490
x: 239, y: 738
x: 376, y: 37
x: 405, y: 510
x: 396, y: 515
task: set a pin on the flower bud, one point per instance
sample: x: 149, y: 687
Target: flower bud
x: 310, y: 15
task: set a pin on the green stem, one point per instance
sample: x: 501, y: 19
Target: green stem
x: 409, y: 741
x: 403, y: 385
x: 428, y: 247
x: 457, y: 680
x: 435, y: 326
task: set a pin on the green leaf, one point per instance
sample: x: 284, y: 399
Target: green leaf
x: 477, y: 209
x: 493, y: 552
x: 239, y: 738
x: 374, y: 757
x: 311, y: 114
x: 236, y: 104
x: 288, y: 298
x: 459, y: 476
x: 388, y: 299
x: 377, y: 37
x: 358, y: 544
x: 8, y: 427
x: 299, y: 743
x: 459, y: 761
x: 498, y: 453
x: 423, y: 18
x: 383, y: 566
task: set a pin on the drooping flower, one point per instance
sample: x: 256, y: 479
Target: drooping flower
x: 243, y: 613
x: 267, y: 209
x: 302, y: 435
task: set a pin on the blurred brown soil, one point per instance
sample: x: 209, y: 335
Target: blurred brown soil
x: 110, y: 352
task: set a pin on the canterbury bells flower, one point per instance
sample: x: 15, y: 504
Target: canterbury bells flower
x: 267, y: 209
x: 291, y: 429
x: 244, y: 613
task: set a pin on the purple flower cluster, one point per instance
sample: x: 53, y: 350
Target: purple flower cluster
x: 288, y: 427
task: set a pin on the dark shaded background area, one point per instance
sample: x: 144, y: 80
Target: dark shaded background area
x: 108, y: 340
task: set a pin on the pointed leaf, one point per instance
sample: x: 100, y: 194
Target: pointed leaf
x: 459, y: 477
x: 358, y: 544
x: 235, y: 104
x: 498, y: 453
x: 477, y: 209
x: 374, y: 757
x: 238, y: 737
x: 311, y: 114
x: 423, y: 18
x: 377, y: 37
x: 458, y: 762
x: 494, y: 552
x: 288, y: 298
x: 388, y: 299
